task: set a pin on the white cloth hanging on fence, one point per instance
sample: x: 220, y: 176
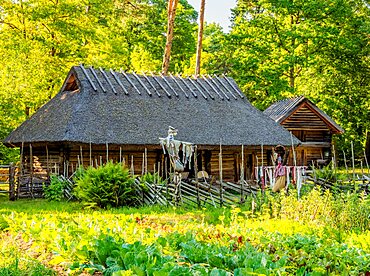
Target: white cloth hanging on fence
x: 187, y: 150
x: 271, y: 177
x: 163, y: 143
x: 294, y: 175
x: 287, y: 176
x: 184, y: 154
x: 177, y: 145
x: 264, y: 175
x: 299, y: 181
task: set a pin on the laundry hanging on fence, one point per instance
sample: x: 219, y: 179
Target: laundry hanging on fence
x: 289, y: 174
x: 260, y: 176
x: 187, y: 150
x: 184, y: 153
x: 270, y: 176
x: 299, y: 181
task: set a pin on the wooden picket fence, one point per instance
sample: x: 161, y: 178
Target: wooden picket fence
x: 8, y: 180
x: 194, y: 193
x: 359, y: 186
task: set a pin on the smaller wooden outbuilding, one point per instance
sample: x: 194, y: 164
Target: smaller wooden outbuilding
x: 310, y: 125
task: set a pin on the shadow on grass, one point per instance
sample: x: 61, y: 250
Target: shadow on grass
x: 37, y: 206
x: 43, y: 206
x: 32, y: 206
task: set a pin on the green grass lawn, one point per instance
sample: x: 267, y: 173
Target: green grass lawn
x: 281, y: 235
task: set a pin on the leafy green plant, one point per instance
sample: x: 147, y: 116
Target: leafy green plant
x: 328, y: 174
x: 3, y: 224
x: 110, y: 256
x: 152, y: 178
x: 55, y: 191
x: 110, y: 185
x: 317, y: 234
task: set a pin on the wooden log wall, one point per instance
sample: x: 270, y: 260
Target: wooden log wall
x: 313, y: 154
x: 304, y: 119
x: 64, y: 160
x: 99, y: 155
x: 231, y: 163
x: 228, y: 166
x: 306, y: 156
x: 249, y: 164
x: 267, y: 152
x: 313, y: 135
x: 301, y: 157
x: 44, y: 162
x: 318, y: 136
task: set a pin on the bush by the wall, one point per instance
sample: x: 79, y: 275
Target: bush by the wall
x: 110, y: 185
x: 55, y: 191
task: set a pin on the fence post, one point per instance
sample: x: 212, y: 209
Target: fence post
x: 11, y: 182
x: 220, y: 171
x: 196, y: 174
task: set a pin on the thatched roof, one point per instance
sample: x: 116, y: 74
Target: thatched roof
x: 101, y: 107
x: 283, y: 109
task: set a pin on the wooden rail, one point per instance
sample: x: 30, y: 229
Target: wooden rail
x: 194, y: 193
x: 8, y: 180
x: 343, y: 187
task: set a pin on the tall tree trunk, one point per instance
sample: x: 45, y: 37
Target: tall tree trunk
x: 200, y: 38
x: 367, y: 146
x: 291, y: 69
x: 291, y: 77
x: 171, y: 12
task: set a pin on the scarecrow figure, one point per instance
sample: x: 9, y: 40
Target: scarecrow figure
x: 172, y: 147
x: 280, y: 174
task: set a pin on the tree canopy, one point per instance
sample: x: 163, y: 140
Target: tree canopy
x: 275, y: 49
x: 317, y: 48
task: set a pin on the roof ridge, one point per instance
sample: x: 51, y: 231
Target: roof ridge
x: 213, y: 87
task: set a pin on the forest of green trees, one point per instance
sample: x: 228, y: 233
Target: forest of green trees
x: 274, y: 49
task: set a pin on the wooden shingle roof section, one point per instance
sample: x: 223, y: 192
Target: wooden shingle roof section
x: 300, y: 113
x: 105, y: 106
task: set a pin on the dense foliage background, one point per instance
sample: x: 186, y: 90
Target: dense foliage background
x: 275, y: 49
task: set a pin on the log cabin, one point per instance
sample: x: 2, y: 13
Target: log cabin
x: 100, y: 115
x: 310, y: 125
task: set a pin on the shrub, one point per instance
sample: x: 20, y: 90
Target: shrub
x: 55, y: 191
x: 328, y: 174
x: 152, y: 179
x: 110, y: 185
